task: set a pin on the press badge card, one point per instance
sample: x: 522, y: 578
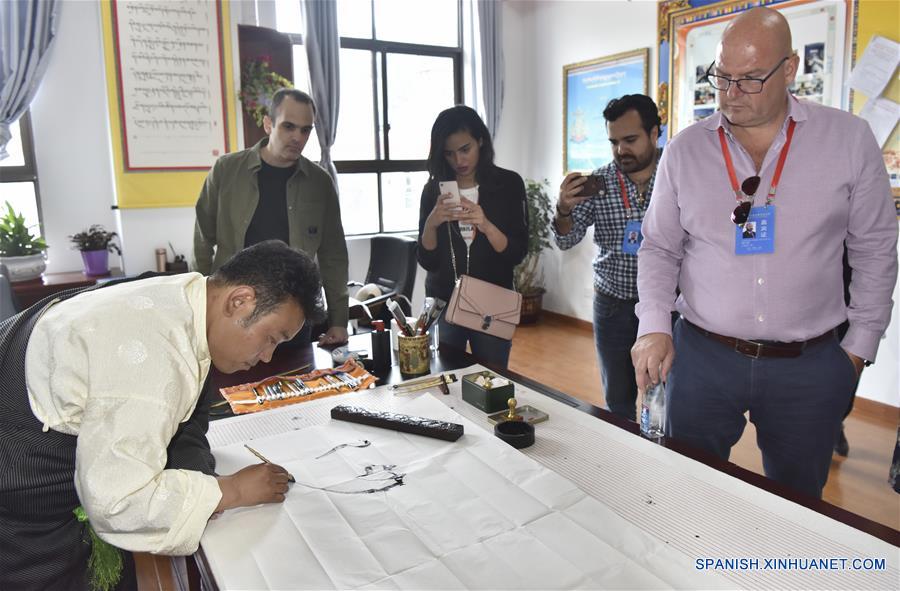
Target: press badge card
x: 757, y: 234
x: 633, y: 237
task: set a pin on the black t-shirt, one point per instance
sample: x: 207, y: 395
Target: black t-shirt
x: 270, y: 220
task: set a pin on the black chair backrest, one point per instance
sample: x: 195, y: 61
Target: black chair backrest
x: 392, y: 264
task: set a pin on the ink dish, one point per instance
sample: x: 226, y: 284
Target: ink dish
x: 518, y: 434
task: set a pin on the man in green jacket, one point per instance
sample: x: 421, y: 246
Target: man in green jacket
x: 270, y: 191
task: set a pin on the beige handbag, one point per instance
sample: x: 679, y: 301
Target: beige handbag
x: 482, y: 306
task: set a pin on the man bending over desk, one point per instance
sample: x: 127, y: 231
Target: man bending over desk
x: 92, y: 391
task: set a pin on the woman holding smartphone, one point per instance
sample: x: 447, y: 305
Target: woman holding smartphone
x: 476, y: 226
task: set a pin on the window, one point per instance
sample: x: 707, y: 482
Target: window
x: 18, y: 175
x: 401, y: 64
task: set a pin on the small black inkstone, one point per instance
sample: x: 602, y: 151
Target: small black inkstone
x: 518, y: 434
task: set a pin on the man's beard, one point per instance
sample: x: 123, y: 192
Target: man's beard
x: 636, y: 163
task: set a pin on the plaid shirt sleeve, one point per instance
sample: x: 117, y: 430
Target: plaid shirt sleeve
x: 582, y: 218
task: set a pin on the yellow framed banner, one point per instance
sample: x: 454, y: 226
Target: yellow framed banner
x: 171, y: 97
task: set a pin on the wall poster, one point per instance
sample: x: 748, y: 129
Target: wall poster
x: 171, y: 90
x: 587, y: 88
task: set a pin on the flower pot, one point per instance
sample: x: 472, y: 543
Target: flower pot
x: 532, y: 304
x: 96, y: 262
x: 24, y: 268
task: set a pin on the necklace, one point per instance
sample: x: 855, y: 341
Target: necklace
x: 644, y: 186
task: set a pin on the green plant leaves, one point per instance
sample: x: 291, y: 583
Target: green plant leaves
x: 95, y: 238
x: 15, y: 238
x: 528, y: 277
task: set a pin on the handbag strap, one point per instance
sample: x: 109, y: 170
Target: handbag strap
x: 453, y: 255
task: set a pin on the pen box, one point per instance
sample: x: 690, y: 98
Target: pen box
x: 487, y: 398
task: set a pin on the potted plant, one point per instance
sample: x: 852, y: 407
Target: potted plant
x: 529, y: 276
x: 258, y: 84
x: 95, y: 244
x: 21, y: 252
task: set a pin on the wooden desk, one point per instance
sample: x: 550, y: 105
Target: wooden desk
x: 30, y: 292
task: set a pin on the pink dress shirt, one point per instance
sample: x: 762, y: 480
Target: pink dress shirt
x: 834, y: 188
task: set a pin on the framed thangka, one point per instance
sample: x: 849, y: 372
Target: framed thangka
x: 587, y: 88
x: 689, y: 32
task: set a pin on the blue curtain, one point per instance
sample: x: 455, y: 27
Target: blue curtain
x: 490, y: 24
x: 27, y: 31
x: 323, y: 53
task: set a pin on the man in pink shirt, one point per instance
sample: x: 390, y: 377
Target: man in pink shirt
x: 759, y: 308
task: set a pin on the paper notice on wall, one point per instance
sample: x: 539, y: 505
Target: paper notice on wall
x: 882, y: 115
x: 874, y: 70
x: 170, y: 82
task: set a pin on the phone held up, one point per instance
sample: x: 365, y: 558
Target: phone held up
x: 595, y: 184
x: 451, y: 187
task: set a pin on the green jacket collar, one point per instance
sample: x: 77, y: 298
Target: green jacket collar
x: 254, y: 162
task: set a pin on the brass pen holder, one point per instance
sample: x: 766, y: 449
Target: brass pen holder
x: 415, y: 357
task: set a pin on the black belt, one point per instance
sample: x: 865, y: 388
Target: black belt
x: 757, y: 349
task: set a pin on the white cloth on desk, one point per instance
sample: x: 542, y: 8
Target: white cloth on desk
x: 120, y: 368
x: 474, y: 514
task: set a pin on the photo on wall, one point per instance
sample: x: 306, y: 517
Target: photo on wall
x: 814, y: 58
x: 700, y: 76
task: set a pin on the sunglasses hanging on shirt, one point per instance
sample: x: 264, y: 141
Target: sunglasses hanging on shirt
x: 744, y: 194
x: 742, y: 211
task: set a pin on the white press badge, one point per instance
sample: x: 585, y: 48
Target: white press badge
x: 757, y: 234
x: 633, y: 237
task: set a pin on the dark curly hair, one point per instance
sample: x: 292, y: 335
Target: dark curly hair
x: 448, y: 122
x: 641, y: 103
x: 276, y: 272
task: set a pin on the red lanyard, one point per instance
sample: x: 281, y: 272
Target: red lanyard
x: 738, y: 194
x: 625, y: 201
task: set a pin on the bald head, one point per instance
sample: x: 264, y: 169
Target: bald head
x: 760, y: 29
x: 756, y: 45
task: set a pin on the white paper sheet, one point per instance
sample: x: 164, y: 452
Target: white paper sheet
x: 874, y: 70
x: 882, y: 115
x: 472, y: 514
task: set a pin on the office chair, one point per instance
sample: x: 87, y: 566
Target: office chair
x: 392, y: 267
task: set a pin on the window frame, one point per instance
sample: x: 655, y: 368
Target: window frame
x: 382, y: 163
x: 28, y: 172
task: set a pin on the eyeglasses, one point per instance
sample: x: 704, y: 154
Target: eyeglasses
x: 745, y: 85
x: 742, y: 211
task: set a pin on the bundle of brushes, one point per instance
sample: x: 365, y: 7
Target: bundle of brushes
x: 431, y: 311
x: 282, y: 390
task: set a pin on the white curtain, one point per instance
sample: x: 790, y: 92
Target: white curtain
x: 27, y: 31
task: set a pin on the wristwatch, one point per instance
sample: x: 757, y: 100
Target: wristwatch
x: 560, y: 213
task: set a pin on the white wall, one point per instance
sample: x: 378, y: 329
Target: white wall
x: 539, y: 39
x: 71, y: 136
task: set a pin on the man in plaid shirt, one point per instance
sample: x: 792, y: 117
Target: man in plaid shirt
x: 615, y: 210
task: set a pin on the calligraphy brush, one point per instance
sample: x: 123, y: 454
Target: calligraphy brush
x: 266, y: 460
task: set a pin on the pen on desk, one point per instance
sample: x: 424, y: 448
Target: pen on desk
x: 266, y: 460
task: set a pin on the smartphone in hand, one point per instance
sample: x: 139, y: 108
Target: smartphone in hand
x: 595, y: 184
x: 451, y: 187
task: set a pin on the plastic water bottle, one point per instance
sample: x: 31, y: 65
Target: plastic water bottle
x: 653, y: 412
